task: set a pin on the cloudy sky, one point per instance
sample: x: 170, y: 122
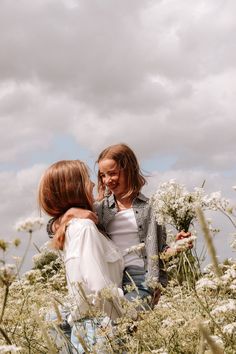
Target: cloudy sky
x: 78, y: 75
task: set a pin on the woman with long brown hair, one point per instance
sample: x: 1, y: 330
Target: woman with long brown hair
x: 92, y: 261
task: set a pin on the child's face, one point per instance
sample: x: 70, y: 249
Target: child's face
x: 113, y: 176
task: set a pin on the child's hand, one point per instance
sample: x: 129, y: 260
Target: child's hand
x: 181, y: 235
x: 80, y: 214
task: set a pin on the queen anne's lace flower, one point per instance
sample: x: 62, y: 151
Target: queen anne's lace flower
x: 206, y: 284
x: 182, y: 244
x: 174, y: 205
x: 216, y: 202
x: 135, y: 249
x: 30, y: 224
x: 229, y: 306
x: 167, y: 322
x: 230, y: 328
x: 8, y: 274
x: 229, y: 275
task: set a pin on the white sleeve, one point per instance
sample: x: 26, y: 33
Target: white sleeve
x: 87, y: 247
x: 86, y: 263
x: 94, y: 266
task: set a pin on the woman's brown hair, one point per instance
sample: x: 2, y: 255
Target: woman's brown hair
x: 126, y: 160
x: 64, y: 185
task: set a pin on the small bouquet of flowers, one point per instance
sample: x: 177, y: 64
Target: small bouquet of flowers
x: 173, y: 205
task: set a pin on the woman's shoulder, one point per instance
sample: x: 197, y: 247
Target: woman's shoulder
x: 80, y: 224
x: 82, y: 230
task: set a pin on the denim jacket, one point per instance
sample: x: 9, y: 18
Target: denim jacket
x: 149, y: 232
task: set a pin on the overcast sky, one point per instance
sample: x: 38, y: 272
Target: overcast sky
x: 78, y: 75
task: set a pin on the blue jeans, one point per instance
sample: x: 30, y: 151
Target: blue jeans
x: 136, y: 275
x: 67, y: 338
x: 86, y: 330
x: 61, y: 333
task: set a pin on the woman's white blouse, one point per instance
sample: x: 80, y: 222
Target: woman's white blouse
x: 93, y: 262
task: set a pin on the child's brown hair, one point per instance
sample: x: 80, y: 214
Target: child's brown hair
x: 125, y: 158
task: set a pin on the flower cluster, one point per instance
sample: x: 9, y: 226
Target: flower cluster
x: 8, y: 273
x: 45, y: 257
x: 30, y: 224
x: 173, y: 325
x: 215, y: 201
x: 182, y: 244
x: 135, y: 249
x: 174, y: 205
x: 227, y: 306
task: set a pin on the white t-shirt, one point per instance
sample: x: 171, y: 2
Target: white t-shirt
x: 93, y: 261
x: 123, y: 231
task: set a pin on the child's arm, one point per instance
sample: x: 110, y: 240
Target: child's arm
x: 54, y: 223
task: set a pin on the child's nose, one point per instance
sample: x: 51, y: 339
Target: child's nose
x: 108, y: 179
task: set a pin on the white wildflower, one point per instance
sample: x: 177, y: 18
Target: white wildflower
x: 232, y: 287
x: 47, y: 257
x: 216, y: 202
x: 208, y: 269
x: 231, y: 261
x: 9, y: 349
x: 205, y: 283
x: 229, y: 275
x: 230, y: 328
x: 8, y: 274
x: 30, y: 224
x: 227, y: 307
x: 135, y: 249
x: 167, y: 255
x: 183, y: 243
x: 174, y: 205
x: 168, y: 323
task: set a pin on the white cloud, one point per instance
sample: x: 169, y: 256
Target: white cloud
x: 19, y: 195
x: 19, y: 201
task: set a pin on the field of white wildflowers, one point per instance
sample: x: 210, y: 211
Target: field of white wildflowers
x: 196, y: 312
